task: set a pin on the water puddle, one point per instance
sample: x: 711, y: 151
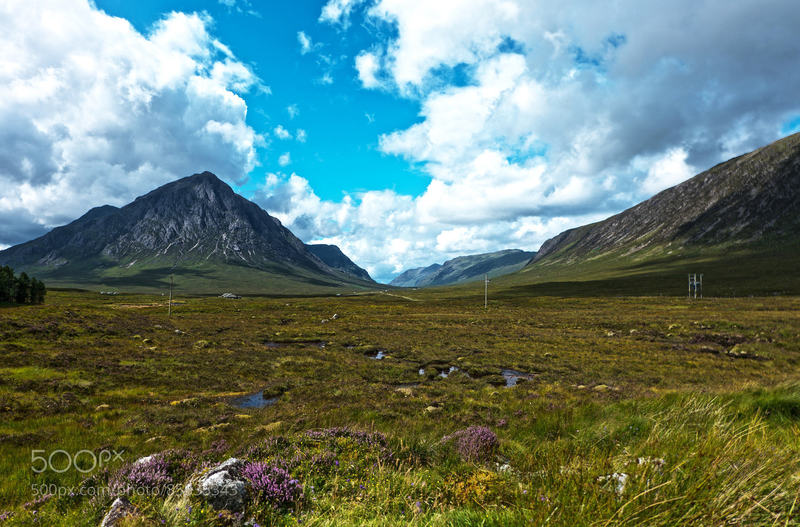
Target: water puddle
x: 254, y: 400
x: 512, y: 376
x: 422, y: 371
x: 379, y: 356
x: 444, y: 373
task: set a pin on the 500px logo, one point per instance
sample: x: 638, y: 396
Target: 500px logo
x: 61, y: 461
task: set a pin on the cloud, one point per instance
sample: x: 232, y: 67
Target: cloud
x: 305, y: 42
x: 284, y: 159
x: 301, y: 135
x: 367, y: 66
x: 241, y: 6
x: 293, y: 110
x: 385, y: 232
x: 338, y: 11
x: 535, y: 117
x: 92, y: 111
x: 281, y: 132
x: 666, y: 170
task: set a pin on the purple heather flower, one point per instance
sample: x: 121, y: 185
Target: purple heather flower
x: 273, y: 484
x: 476, y: 443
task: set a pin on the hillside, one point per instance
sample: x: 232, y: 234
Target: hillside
x: 465, y: 269
x: 736, y: 222
x: 197, y: 229
x: 332, y: 256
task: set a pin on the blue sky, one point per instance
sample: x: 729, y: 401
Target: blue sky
x: 405, y: 131
x: 340, y: 153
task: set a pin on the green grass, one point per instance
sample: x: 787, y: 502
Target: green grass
x: 766, y: 269
x: 618, y: 384
x: 208, y: 278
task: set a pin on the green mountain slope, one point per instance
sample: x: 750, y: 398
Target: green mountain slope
x: 736, y: 223
x: 332, y: 256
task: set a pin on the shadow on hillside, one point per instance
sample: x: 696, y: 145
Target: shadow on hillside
x: 157, y: 277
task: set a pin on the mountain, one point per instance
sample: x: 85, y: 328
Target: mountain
x: 465, y: 269
x: 412, y: 277
x: 333, y: 257
x: 737, y: 222
x: 196, y: 228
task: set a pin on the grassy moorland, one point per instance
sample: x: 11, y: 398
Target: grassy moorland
x: 629, y: 411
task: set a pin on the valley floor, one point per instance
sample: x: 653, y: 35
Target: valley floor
x: 625, y: 411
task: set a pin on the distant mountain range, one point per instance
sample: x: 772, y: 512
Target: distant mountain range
x: 197, y: 229
x: 465, y: 269
x: 738, y: 222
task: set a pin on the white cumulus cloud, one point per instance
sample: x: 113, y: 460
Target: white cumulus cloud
x: 93, y: 111
x: 281, y: 132
x: 537, y: 116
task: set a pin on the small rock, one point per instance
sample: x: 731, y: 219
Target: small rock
x: 633, y: 332
x: 179, y: 332
x: 323, y: 321
x: 223, y: 487
x: 620, y: 479
x: 610, y: 334
x: 200, y: 344
x: 335, y: 316
x: 119, y: 509
x: 101, y: 407
x: 433, y: 409
x: 601, y: 388
x: 142, y: 460
x: 406, y: 391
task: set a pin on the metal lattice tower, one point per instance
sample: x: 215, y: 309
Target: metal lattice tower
x: 695, y: 285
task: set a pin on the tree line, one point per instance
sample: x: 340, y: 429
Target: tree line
x: 20, y: 289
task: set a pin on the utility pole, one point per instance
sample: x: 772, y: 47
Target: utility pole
x: 486, y: 291
x: 169, y: 310
x: 695, y: 283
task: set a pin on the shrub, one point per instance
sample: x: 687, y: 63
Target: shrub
x: 273, y: 484
x: 476, y: 443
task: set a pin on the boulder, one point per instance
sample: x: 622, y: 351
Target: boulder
x: 119, y: 509
x: 223, y: 486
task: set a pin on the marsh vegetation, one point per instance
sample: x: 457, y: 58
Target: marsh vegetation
x: 626, y: 410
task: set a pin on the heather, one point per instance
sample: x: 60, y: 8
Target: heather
x: 273, y: 485
x: 649, y: 411
x: 476, y: 443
